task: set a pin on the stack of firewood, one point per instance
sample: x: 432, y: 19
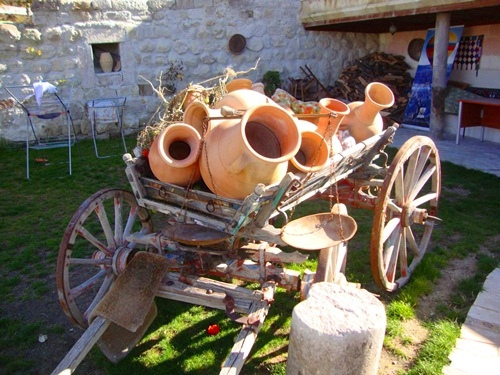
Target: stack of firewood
x: 377, y: 67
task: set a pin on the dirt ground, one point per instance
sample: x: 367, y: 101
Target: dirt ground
x: 457, y: 270
x: 51, y: 351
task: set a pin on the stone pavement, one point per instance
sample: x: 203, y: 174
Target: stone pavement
x: 470, y: 153
x: 477, y: 351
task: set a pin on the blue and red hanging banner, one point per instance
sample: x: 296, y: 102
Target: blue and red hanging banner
x: 418, y: 110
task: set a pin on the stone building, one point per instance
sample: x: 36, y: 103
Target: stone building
x: 65, y: 38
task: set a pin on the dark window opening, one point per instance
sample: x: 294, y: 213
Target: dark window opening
x: 106, y: 57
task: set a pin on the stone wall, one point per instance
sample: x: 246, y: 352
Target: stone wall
x: 65, y: 36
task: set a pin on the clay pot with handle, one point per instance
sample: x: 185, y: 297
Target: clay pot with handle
x: 239, y: 155
x: 365, y: 120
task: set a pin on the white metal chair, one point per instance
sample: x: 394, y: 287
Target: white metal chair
x: 48, y: 118
x: 106, y: 111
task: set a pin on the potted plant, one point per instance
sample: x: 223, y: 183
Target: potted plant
x: 271, y: 81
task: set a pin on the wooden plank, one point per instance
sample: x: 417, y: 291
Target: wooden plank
x: 91, y: 335
x: 200, y: 296
x: 247, y: 336
x: 219, y: 286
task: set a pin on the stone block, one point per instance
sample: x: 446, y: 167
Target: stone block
x: 337, y: 329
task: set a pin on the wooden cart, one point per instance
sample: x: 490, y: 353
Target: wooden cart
x: 205, y: 235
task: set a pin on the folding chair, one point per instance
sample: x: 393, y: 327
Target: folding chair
x: 46, y: 102
x: 106, y: 111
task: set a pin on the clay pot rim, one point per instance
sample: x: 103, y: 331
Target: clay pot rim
x: 192, y: 138
x: 307, y: 134
x: 239, y: 84
x: 323, y: 104
x: 386, y: 93
x: 193, y: 107
x: 285, y: 116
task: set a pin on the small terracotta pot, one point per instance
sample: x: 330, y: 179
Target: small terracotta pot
x: 238, y: 84
x: 313, y: 153
x: 328, y: 125
x: 259, y: 87
x: 365, y: 119
x: 243, y: 99
x: 195, y: 92
x: 198, y: 113
x: 256, y: 149
x: 173, y: 156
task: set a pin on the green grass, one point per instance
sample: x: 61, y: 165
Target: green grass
x: 431, y: 360
x: 34, y: 214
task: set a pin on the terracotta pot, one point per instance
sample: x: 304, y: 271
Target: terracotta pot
x: 259, y: 87
x: 194, y: 92
x: 328, y: 125
x: 197, y: 113
x: 305, y: 125
x: 238, y: 84
x: 365, y: 119
x: 106, y: 62
x: 173, y: 156
x: 256, y: 149
x: 313, y: 153
x: 243, y: 99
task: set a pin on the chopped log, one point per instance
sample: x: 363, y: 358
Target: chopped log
x: 389, y: 69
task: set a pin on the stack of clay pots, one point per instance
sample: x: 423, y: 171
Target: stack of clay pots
x: 248, y: 139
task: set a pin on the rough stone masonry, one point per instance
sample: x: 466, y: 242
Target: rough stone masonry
x: 63, y: 39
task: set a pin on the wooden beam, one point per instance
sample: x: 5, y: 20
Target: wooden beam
x: 91, y: 335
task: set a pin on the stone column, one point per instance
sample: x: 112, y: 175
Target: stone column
x: 336, y: 330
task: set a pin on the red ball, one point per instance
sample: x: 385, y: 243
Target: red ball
x: 213, y: 329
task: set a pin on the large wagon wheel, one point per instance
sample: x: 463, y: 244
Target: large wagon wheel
x: 405, y: 213
x: 94, y: 250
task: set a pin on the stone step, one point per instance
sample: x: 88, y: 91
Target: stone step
x: 463, y: 361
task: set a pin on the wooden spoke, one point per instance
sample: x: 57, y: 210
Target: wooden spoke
x: 424, y: 199
x: 118, y: 221
x: 87, y: 284
x: 400, y: 232
x: 106, y: 284
x: 106, y: 227
x: 390, y: 227
x: 422, y: 181
x: 94, y: 241
x: 85, y: 264
x: 412, y: 242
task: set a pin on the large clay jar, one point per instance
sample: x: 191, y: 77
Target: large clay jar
x: 198, y: 115
x: 106, y: 62
x: 243, y: 99
x: 365, y: 119
x: 313, y: 153
x: 337, y: 110
x: 257, y: 149
x: 173, y: 156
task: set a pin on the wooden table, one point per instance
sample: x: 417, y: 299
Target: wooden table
x: 478, y: 112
